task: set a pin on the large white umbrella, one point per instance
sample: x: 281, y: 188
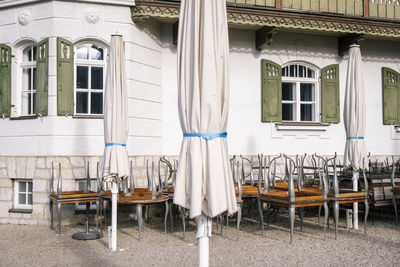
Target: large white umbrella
x: 203, y: 183
x: 115, y: 159
x: 354, y: 119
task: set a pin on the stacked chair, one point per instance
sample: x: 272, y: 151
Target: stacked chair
x: 290, y: 198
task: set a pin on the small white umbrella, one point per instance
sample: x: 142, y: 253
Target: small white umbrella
x: 115, y: 159
x: 354, y: 119
x: 203, y: 183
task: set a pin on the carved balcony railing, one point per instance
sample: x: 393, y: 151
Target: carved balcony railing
x: 386, y: 9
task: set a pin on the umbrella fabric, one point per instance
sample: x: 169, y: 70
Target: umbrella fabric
x: 115, y: 159
x: 354, y: 111
x: 203, y: 183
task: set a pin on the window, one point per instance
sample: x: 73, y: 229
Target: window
x: 28, y: 80
x: 90, y: 66
x: 300, y: 93
x: 23, y: 198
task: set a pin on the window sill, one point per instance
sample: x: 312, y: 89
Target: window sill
x: 29, y: 211
x: 88, y: 116
x: 28, y: 117
x: 301, y: 126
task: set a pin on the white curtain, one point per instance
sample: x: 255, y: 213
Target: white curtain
x: 203, y: 183
x: 354, y: 111
x: 115, y: 159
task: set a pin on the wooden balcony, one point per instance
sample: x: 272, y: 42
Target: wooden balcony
x: 354, y: 18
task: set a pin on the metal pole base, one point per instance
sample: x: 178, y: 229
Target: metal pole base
x: 87, y: 235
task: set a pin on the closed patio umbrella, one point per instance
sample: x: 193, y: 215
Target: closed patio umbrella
x: 115, y: 159
x: 354, y: 119
x: 204, y: 184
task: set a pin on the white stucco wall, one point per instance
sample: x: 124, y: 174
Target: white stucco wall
x: 55, y: 135
x: 247, y: 134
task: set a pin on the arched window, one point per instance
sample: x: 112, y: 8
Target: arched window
x: 90, y: 70
x: 300, y: 92
x: 27, y: 82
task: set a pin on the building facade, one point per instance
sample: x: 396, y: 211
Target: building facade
x: 288, y: 67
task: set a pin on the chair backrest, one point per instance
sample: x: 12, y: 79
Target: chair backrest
x: 290, y: 167
x: 236, y: 176
x: 151, y: 182
x: 243, y: 172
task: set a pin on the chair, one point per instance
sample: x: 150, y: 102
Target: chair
x: 395, y: 180
x: 383, y: 180
x: 168, y: 188
x: 292, y: 199
x: 346, y: 196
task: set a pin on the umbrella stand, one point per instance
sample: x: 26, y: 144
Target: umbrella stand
x: 355, y: 205
x: 203, y: 237
x: 114, y: 191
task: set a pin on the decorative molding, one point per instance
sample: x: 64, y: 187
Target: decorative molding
x: 92, y: 15
x: 11, y: 3
x: 281, y: 19
x: 24, y: 17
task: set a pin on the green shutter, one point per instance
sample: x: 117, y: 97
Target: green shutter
x: 330, y: 101
x: 391, y: 96
x: 5, y: 80
x: 271, y: 95
x: 42, y: 77
x: 65, y: 77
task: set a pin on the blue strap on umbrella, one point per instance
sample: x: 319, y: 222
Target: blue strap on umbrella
x: 207, y: 136
x: 115, y: 144
x: 355, y: 138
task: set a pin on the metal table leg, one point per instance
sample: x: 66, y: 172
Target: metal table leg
x: 239, y: 217
x: 183, y: 220
x: 59, y: 217
x: 166, y: 216
x: 139, y: 218
x: 51, y: 213
x: 87, y: 235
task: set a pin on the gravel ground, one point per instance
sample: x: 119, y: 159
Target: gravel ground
x: 25, y: 245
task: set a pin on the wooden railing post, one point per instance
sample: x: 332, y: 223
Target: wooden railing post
x: 366, y: 8
x: 278, y: 3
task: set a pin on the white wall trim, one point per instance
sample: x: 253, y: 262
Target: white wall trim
x: 10, y: 3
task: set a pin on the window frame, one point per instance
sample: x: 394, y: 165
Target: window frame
x: 17, y: 205
x: 89, y: 63
x: 18, y: 66
x: 297, y: 101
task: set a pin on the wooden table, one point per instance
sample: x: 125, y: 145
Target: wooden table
x: 142, y: 198
x: 72, y: 197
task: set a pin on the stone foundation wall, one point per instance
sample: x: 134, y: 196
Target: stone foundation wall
x: 39, y: 169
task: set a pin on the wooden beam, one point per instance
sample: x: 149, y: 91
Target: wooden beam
x: 345, y: 41
x: 175, y: 27
x: 264, y: 37
x: 366, y: 9
x: 278, y: 3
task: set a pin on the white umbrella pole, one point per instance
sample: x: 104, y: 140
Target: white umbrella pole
x: 114, y: 191
x: 203, y: 237
x: 355, y: 205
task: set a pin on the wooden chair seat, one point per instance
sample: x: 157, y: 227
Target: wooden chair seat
x: 281, y: 185
x: 247, y: 190
x: 302, y: 199
x: 108, y: 193
x: 74, y: 194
